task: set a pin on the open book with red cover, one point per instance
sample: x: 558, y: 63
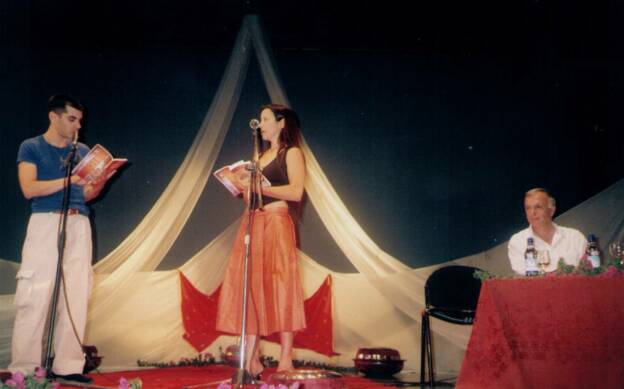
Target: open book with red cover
x: 97, y: 164
x: 238, y: 170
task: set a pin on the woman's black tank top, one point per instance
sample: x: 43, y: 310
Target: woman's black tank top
x: 277, y: 174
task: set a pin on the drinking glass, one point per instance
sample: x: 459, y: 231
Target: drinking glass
x: 543, y: 260
x: 616, y: 249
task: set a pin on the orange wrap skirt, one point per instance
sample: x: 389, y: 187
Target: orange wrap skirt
x: 275, y: 294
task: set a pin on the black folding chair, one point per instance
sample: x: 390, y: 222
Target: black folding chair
x: 451, y: 294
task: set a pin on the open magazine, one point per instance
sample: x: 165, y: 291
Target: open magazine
x: 238, y: 170
x: 97, y: 164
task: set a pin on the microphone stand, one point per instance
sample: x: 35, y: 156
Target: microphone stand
x: 241, y: 375
x: 61, y: 251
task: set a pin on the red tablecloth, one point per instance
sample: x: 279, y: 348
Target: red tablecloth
x: 551, y: 332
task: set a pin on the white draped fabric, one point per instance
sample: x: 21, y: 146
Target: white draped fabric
x: 135, y: 310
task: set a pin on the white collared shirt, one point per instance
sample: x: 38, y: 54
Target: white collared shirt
x: 567, y: 243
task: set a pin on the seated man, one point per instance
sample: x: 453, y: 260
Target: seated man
x: 559, y: 242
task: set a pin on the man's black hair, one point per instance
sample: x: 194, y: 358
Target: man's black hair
x: 59, y: 102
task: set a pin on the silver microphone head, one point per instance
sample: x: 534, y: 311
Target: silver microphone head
x: 254, y: 124
x: 75, y: 141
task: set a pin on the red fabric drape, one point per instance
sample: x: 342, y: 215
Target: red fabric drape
x: 318, y: 335
x: 552, y: 332
x: 199, y: 316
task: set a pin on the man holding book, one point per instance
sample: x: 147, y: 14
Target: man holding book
x: 41, y: 164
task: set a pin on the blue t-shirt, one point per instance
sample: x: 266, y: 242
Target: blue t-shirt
x: 50, y: 162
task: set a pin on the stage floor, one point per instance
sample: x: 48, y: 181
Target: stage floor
x: 210, y: 376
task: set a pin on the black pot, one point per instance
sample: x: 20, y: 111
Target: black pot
x: 378, y: 362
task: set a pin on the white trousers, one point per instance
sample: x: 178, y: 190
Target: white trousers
x: 35, y: 284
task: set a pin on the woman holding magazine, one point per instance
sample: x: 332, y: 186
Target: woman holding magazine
x: 275, y: 299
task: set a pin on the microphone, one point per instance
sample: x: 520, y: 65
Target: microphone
x: 72, y: 154
x: 254, y: 124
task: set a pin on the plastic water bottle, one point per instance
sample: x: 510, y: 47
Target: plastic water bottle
x: 593, y: 251
x: 530, y: 259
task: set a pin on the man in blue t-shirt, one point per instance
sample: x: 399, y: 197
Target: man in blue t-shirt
x: 41, y: 165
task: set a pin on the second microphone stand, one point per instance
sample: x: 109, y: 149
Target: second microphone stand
x: 254, y: 194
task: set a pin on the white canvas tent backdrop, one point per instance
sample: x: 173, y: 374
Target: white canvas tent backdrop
x: 396, y: 287
x: 135, y: 311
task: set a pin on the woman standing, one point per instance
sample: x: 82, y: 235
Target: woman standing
x: 275, y: 299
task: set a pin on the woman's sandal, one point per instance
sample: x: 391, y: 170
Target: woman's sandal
x: 257, y: 377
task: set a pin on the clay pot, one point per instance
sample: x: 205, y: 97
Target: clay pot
x: 231, y: 355
x: 378, y: 362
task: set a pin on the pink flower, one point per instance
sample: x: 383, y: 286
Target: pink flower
x: 39, y: 373
x: 16, y: 380
x: 612, y: 271
x: 13, y: 384
x: 18, y: 377
x: 123, y: 383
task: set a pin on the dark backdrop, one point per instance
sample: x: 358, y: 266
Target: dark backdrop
x: 429, y: 125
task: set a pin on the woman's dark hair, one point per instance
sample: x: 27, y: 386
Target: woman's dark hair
x: 290, y: 136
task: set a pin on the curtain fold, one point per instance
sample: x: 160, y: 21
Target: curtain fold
x: 148, y: 244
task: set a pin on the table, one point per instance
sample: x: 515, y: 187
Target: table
x: 547, y: 332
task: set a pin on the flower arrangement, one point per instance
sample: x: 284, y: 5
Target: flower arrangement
x: 298, y: 364
x: 199, y: 360
x: 35, y: 381
x: 132, y: 384
x: 39, y: 381
x: 267, y: 361
x: 609, y: 268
